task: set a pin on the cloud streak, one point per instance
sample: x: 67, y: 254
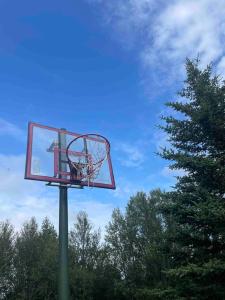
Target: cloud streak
x: 130, y: 155
x: 171, y: 173
x: 164, y: 33
x: 9, y: 129
x: 187, y: 29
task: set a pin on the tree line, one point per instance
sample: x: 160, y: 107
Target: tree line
x: 166, y: 245
x: 130, y: 259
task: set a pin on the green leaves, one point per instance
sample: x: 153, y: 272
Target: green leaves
x: 84, y: 242
x: 7, y: 252
x: 35, y: 262
x: 136, y: 241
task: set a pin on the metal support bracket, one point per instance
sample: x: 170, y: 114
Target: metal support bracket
x: 72, y: 186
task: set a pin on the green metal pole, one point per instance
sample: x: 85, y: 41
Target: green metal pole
x: 63, y: 244
x: 63, y: 226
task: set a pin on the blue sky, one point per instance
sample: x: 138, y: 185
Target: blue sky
x: 96, y: 66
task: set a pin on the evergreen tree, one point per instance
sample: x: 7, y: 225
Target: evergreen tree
x: 197, y: 203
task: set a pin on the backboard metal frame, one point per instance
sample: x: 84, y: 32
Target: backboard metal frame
x: 62, y: 179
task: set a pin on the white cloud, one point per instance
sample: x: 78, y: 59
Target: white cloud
x: 9, y: 129
x: 130, y: 155
x: 125, y: 189
x: 122, y: 13
x: 171, y: 173
x: 12, y: 181
x: 166, y: 32
x: 188, y: 28
x: 99, y: 213
x: 19, y: 199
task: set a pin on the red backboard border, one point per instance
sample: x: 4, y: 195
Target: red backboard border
x: 48, y: 179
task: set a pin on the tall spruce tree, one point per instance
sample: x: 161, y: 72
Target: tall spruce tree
x: 197, y: 203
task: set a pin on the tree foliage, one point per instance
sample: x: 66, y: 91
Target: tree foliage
x: 7, y: 252
x: 129, y: 261
x: 136, y: 241
x: 197, y: 203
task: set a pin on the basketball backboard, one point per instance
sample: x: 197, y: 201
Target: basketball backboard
x: 52, y: 153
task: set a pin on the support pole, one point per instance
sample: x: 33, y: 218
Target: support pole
x: 63, y: 226
x: 63, y: 244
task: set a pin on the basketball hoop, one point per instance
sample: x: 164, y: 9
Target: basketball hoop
x: 67, y: 158
x: 86, y: 154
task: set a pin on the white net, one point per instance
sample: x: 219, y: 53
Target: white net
x: 86, y: 156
